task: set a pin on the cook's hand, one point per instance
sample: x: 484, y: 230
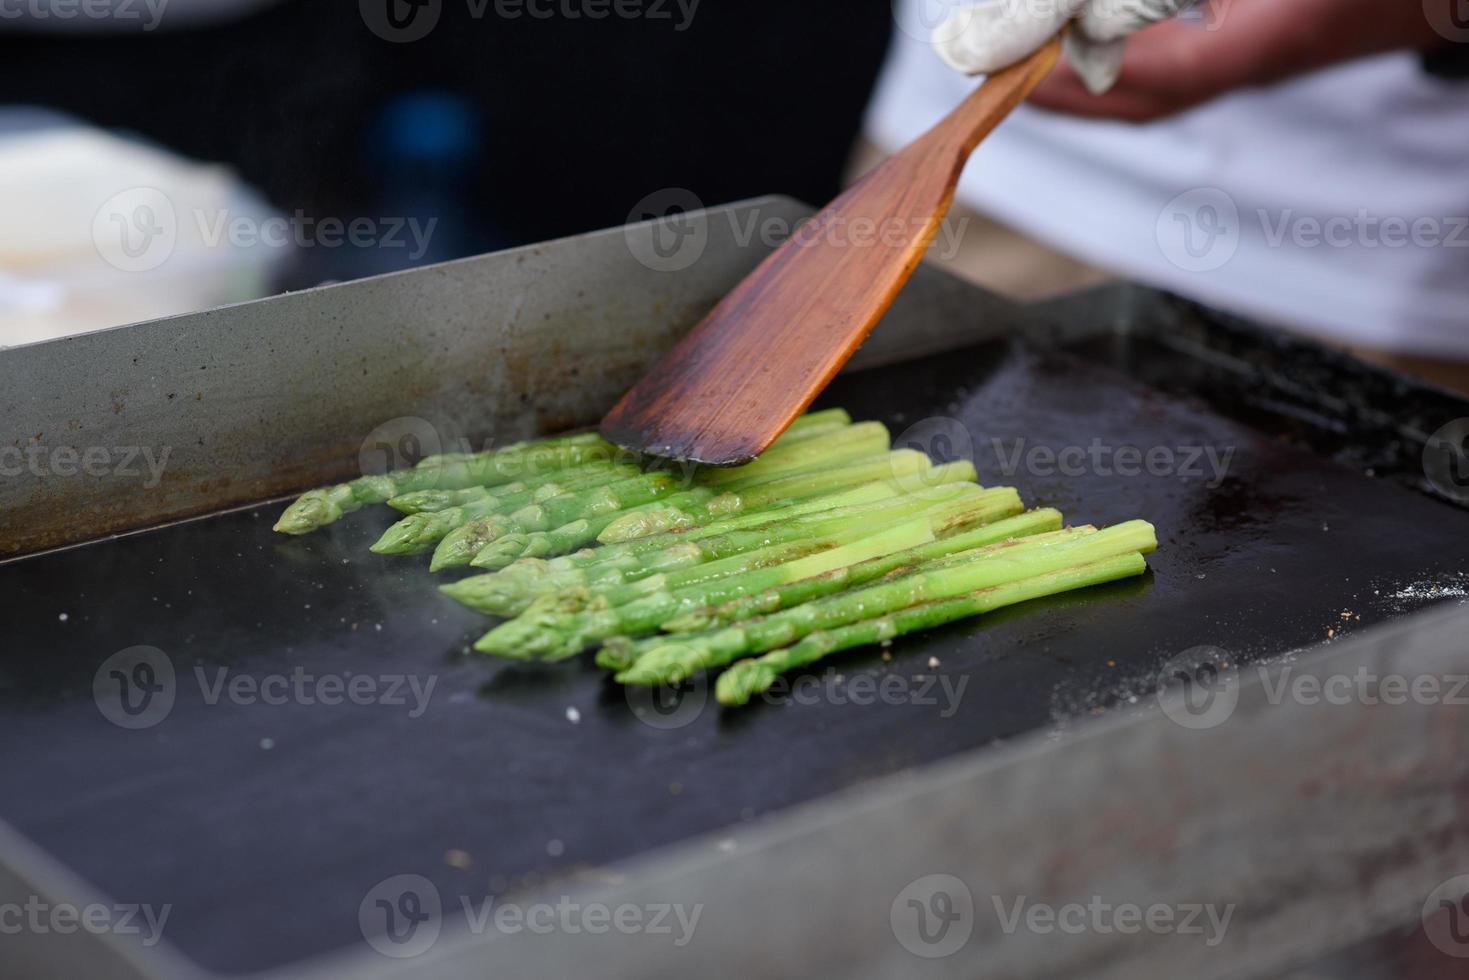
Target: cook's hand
x: 985, y: 37
x: 1177, y: 65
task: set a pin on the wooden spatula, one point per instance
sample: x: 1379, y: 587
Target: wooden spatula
x: 734, y: 383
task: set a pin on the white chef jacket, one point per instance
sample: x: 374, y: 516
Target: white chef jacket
x: 1337, y: 201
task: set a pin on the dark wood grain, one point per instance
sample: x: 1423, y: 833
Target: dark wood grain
x: 734, y: 383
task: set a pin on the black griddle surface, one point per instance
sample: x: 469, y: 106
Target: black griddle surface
x: 265, y: 826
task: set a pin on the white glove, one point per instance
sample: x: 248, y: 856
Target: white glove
x: 985, y: 37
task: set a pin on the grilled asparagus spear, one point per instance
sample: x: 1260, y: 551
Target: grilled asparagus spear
x: 748, y: 678
x: 561, y: 624
x: 317, y: 508
x: 517, y: 462
x: 508, y: 595
x: 671, y: 659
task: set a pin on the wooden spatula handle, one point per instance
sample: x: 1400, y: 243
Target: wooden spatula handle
x: 734, y: 383
x: 974, y: 118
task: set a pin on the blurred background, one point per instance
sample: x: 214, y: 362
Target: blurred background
x: 487, y: 131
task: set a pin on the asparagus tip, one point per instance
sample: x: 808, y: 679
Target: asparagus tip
x: 742, y: 681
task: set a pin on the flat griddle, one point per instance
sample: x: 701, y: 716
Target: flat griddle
x: 264, y: 826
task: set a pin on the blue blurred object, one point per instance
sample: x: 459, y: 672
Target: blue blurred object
x: 422, y: 152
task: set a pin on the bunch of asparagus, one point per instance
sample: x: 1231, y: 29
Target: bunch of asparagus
x: 828, y: 541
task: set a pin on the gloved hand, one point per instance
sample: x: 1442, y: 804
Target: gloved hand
x: 985, y: 37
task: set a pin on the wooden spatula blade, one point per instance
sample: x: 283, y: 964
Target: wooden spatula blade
x: 738, y: 379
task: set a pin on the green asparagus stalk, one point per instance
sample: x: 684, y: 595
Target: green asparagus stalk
x: 568, y: 622
x: 516, y: 590
x: 1024, y: 527
x: 785, y: 455
x: 686, y: 564
x: 748, y: 678
x: 671, y: 659
x: 420, y: 531
x: 501, y: 549
x: 562, y: 624
x: 317, y: 508
x: 492, y: 543
x: 703, y: 505
x: 546, y: 485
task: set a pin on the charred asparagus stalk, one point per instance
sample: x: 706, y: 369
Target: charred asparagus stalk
x: 671, y: 659
x: 748, y: 678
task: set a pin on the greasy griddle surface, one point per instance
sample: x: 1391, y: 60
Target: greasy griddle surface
x: 264, y: 826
